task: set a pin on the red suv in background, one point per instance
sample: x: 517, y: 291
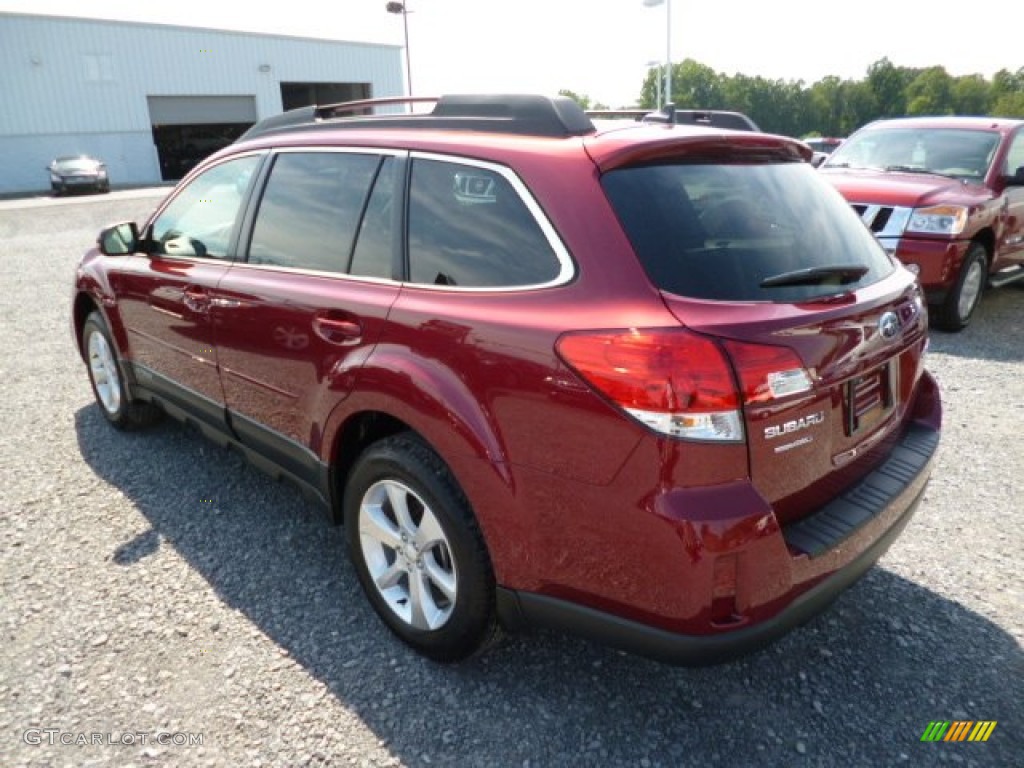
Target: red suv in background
x: 654, y: 384
x: 945, y: 194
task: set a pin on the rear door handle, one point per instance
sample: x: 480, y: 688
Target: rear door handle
x: 338, y: 330
x: 196, y: 299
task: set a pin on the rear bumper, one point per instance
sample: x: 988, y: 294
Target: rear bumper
x: 811, y: 563
x: 519, y: 609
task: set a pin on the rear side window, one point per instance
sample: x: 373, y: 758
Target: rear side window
x: 719, y: 231
x: 469, y: 227
x: 310, y: 209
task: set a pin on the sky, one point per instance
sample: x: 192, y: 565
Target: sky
x: 602, y: 48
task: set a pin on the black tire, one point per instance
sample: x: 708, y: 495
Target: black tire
x: 956, y: 311
x: 106, y: 376
x: 446, y: 588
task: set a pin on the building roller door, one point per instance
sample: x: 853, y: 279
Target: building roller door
x: 186, y: 129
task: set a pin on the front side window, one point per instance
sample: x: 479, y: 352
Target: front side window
x: 310, y: 209
x: 469, y: 227
x: 200, y: 220
x: 744, y: 232
x: 1015, y: 157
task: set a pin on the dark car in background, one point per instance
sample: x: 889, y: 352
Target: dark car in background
x: 655, y: 384
x: 709, y: 118
x: 824, y: 144
x: 823, y: 147
x: 78, y: 173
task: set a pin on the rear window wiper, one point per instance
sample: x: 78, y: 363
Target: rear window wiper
x: 847, y: 273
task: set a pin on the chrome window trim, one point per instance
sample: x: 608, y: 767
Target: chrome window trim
x: 180, y: 187
x: 566, y: 266
x: 315, y: 273
x: 243, y: 260
x: 388, y: 151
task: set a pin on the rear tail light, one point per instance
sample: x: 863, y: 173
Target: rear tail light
x: 679, y: 383
x: 673, y: 381
x: 767, y: 373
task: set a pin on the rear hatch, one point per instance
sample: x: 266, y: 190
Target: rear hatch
x: 823, y: 331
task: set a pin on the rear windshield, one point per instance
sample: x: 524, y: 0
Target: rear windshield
x: 714, y: 231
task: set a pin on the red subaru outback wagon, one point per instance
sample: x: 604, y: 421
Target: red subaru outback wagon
x: 655, y: 384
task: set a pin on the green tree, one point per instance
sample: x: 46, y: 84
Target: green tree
x: 931, y: 93
x: 649, y: 91
x: 972, y: 95
x: 835, y: 107
x: 695, y: 86
x: 583, y: 100
x: 1009, y: 105
x: 1007, y: 93
x: 888, y: 84
x: 827, y: 105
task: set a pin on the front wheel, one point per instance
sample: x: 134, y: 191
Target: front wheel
x: 418, y: 550
x: 107, y: 379
x: 955, y: 312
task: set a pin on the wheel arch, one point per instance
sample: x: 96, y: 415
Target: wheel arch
x: 986, y: 238
x: 397, y: 396
x: 84, y: 305
x: 359, y: 431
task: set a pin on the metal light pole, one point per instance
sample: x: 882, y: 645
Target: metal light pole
x: 668, y: 43
x: 400, y: 8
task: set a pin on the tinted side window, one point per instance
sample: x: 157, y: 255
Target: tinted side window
x: 469, y: 227
x: 1015, y: 157
x: 719, y: 231
x: 310, y: 209
x: 375, y: 246
x: 200, y: 219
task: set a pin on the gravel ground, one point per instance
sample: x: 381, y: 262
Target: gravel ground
x: 154, y: 584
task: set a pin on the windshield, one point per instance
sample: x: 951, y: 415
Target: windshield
x: 75, y: 164
x: 956, y: 152
x: 744, y: 232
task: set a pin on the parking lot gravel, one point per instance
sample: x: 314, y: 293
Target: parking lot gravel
x: 164, y: 603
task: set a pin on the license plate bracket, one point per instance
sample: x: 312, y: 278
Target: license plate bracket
x: 868, y: 399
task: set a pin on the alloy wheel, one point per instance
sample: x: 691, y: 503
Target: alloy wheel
x: 408, y: 555
x: 103, y: 369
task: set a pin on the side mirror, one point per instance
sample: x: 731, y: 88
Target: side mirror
x: 119, y: 239
x: 1017, y: 179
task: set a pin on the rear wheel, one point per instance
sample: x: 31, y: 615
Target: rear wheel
x: 107, y: 379
x: 418, y: 550
x: 955, y: 312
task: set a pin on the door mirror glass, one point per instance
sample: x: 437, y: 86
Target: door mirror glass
x: 119, y: 239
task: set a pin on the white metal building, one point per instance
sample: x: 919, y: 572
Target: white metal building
x: 150, y: 100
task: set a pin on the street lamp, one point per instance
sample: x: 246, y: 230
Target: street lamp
x: 657, y: 81
x: 400, y: 8
x: 668, y: 42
